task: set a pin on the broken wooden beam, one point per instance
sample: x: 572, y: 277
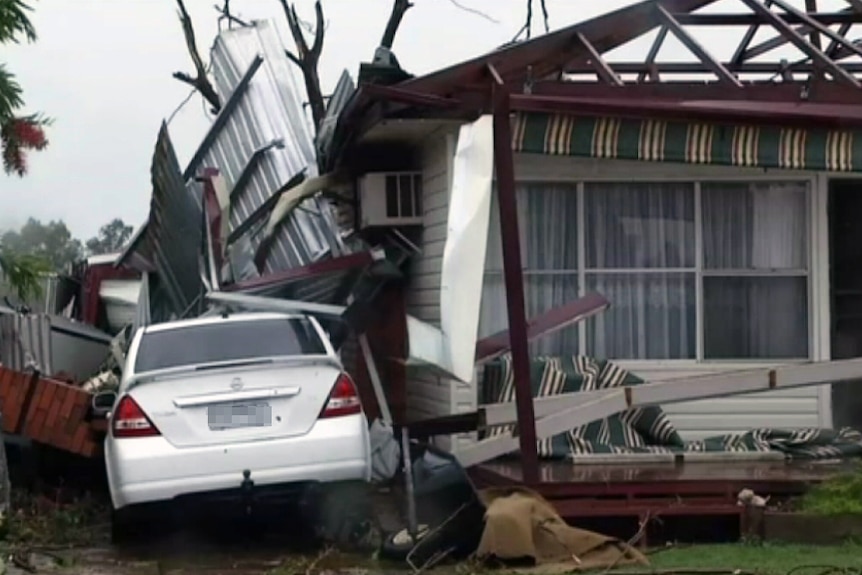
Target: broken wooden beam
x: 578, y: 409
x: 547, y: 323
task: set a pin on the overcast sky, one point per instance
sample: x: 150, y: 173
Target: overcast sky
x: 102, y: 69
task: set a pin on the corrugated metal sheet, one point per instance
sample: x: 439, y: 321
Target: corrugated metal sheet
x: 174, y: 231
x: 25, y: 341
x: 258, y: 112
x: 344, y: 90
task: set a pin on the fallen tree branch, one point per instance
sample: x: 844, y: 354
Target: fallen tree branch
x: 200, y: 81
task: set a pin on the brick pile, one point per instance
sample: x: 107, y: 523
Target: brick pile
x: 47, y: 411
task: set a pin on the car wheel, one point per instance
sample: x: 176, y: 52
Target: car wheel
x: 344, y: 516
x: 123, y: 526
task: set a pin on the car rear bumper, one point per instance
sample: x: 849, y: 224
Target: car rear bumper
x: 150, y: 469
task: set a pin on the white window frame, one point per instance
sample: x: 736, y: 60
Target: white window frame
x: 572, y: 170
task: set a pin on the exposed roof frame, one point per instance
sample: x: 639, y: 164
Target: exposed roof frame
x: 694, y: 46
x: 802, y: 28
x: 548, y: 67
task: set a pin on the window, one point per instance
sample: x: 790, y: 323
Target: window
x: 227, y: 341
x: 755, y: 260
x: 548, y: 216
x: 713, y: 270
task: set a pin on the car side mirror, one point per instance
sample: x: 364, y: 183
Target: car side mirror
x: 103, y: 403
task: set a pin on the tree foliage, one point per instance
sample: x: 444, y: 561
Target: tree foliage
x: 112, y: 237
x: 22, y: 273
x: 18, y: 133
x: 51, y: 243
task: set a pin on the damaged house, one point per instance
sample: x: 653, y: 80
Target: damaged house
x: 679, y: 219
x: 710, y: 210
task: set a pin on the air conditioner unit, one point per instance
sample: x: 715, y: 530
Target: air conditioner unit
x: 388, y: 199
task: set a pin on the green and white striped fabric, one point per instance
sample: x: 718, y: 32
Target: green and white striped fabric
x: 645, y: 429
x: 688, y: 142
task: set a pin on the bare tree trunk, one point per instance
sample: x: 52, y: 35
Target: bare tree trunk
x: 399, y: 8
x: 307, y: 58
x: 200, y: 81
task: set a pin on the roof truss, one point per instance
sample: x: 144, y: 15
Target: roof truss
x: 796, y: 23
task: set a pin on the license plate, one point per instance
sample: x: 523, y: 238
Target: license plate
x: 237, y: 415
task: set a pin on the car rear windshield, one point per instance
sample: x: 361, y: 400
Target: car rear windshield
x: 227, y: 341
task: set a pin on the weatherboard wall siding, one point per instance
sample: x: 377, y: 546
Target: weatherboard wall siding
x: 429, y: 395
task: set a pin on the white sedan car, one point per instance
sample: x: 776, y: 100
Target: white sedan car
x: 231, y: 406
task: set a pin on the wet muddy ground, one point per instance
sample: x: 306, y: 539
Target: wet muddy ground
x: 192, y: 552
x: 45, y: 535
x: 59, y: 523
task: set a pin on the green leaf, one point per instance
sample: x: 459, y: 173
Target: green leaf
x: 23, y: 273
x: 15, y: 21
x: 10, y: 93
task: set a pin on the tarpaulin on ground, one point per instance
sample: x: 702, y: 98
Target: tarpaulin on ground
x: 520, y: 524
x: 645, y: 429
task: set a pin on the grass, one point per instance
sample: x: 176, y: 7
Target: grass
x: 769, y: 559
x: 764, y: 559
x: 836, y: 496
x: 36, y: 521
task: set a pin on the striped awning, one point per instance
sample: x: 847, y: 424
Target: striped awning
x: 691, y: 143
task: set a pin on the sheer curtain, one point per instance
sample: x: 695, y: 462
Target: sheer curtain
x: 755, y: 239
x: 640, y: 248
x: 547, y: 215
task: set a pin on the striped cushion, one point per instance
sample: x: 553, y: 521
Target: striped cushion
x: 638, y: 429
x: 645, y: 429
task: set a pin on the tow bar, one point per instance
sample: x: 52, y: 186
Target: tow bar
x: 247, y: 491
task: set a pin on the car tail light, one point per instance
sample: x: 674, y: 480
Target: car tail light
x: 343, y: 399
x: 129, y: 420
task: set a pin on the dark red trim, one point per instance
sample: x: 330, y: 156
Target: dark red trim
x: 777, y: 113
x: 825, y: 18
x: 344, y: 263
x: 544, y: 324
x: 785, y: 92
x: 546, y: 54
x: 213, y: 213
x: 403, y: 96
x: 91, y: 283
x: 514, y: 279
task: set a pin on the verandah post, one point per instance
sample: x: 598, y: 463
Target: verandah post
x: 514, y: 278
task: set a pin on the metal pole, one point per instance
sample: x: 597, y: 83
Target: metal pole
x: 412, y: 521
x: 504, y: 162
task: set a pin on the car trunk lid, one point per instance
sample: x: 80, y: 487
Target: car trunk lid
x: 207, y: 407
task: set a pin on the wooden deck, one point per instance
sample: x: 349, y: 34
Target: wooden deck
x: 564, y: 472
x: 649, y: 490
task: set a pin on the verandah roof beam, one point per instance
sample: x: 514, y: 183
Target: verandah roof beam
x: 561, y: 413
x: 823, y: 29
x: 694, y: 46
x: 797, y: 40
x: 652, y: 55
x: 603, y: 70
x: 739, y: 55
